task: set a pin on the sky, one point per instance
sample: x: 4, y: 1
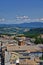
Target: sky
x: 21, y: 11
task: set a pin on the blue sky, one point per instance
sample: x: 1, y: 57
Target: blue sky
x: 20, y: 11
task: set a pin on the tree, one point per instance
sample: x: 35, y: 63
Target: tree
x: 37, y: 41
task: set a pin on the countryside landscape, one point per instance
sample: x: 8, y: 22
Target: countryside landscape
x: 21, y: 32
x: 29, y: 39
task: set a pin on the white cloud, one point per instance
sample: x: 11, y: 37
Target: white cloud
x: 22, y: 18
x: 41, y: 19
x: 28, y: 19
x: 2, y: 19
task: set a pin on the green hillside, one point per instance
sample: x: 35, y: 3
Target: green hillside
x: 34, y: 32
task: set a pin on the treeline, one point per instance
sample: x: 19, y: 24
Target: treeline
x: 33, y: 33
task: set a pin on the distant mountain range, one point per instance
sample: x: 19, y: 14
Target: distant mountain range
x: 32, y: 25
x: 29, y: 25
